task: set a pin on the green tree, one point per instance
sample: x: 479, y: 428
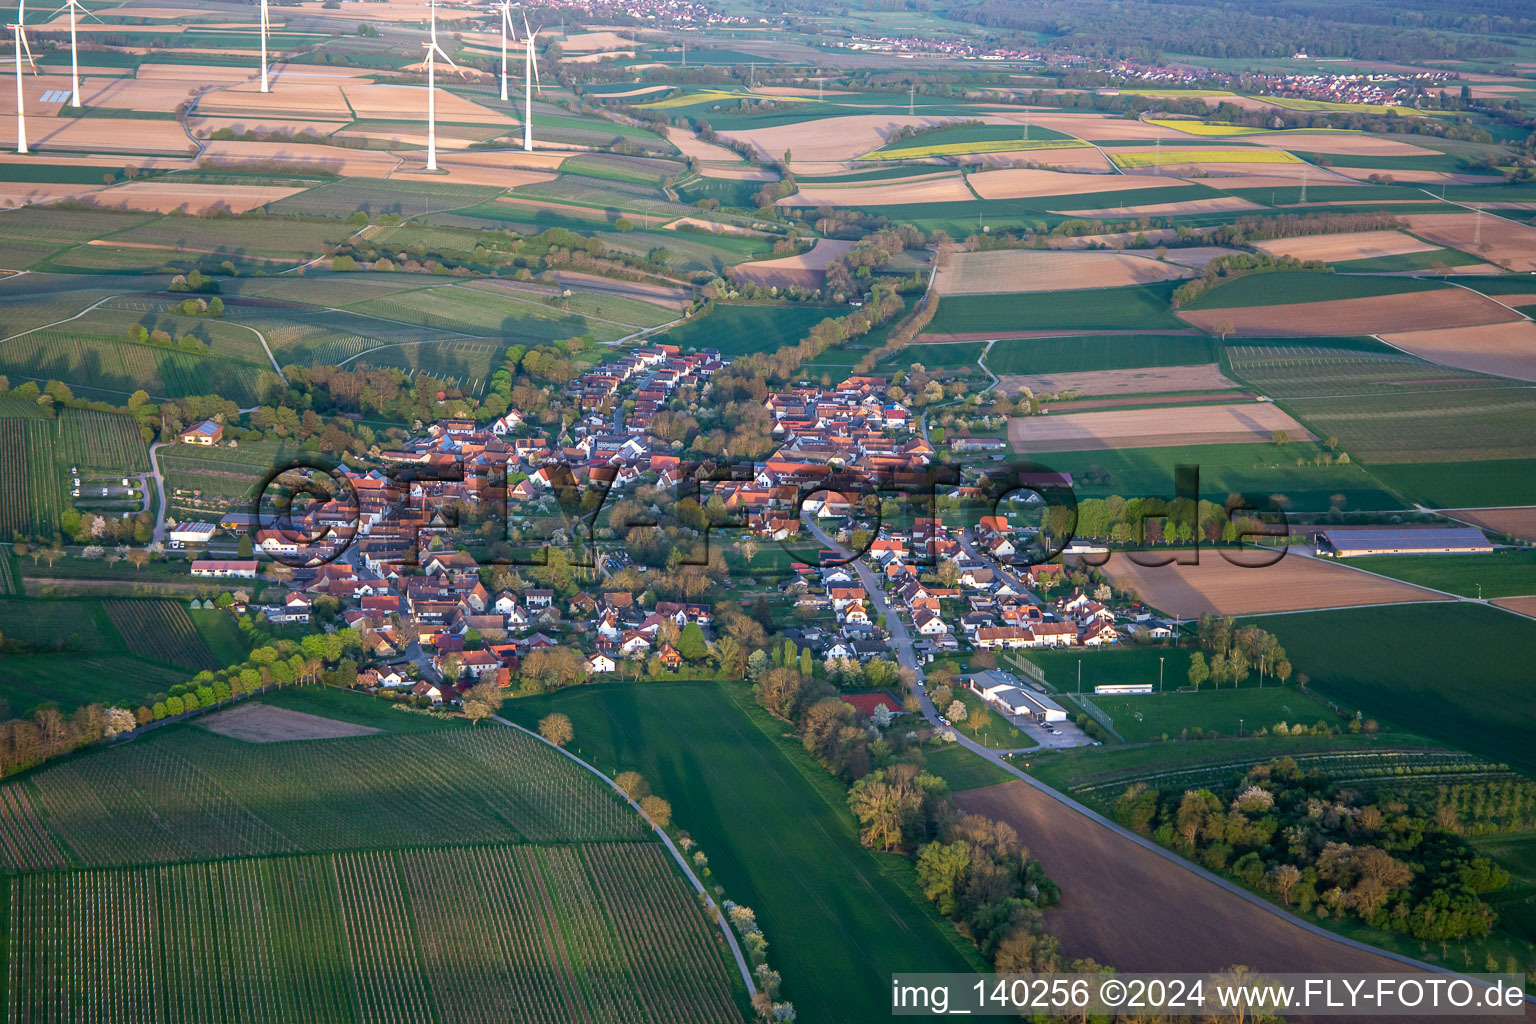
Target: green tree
x: 1199, y: 671
x: 691, y: 644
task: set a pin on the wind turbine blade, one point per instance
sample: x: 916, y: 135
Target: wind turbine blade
x: 28, y: 47
x: 449, y: 59
x: 536, y: 83
x: 528, y: 32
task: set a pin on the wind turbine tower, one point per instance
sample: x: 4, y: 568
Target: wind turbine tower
x: 434, y: 51
x: 19, y: 36
x: 530, y: 76
x: 507, y: 29
x: 266, y: 26
x: 74, y: 51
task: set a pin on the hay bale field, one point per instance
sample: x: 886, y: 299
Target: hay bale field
x: 1150, y: 380
x: 1027, y: 270
x: 1506, y: 240
x: 1028, y: 183
x: 1506, y: 349
x: 807, y: 270
x: 1430, y: 310
x: 1157, y: 427
x: 1295, y: 583
x: 189, y: 197
x: 1352, y: 245
x: 1220, y: 204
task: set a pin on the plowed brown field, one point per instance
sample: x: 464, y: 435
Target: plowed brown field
x: 1295, y: 583
x: 1506, y: 350
x: 1439, y: 308
x: 1153, y: 428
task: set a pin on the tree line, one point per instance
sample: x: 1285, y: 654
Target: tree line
x: 1326, y: 851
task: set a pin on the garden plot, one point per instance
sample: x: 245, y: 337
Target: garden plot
x: 1025, y: 270
x: 1153, y: 428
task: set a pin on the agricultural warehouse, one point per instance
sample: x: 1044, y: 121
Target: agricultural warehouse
x: 1433, y: 541
x: 1018, y: 701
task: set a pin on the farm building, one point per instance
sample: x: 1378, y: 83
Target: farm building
x: 192, y: 533
x: 214, y: 567
x: 1432, y: 541
x: 206, y: 432
x: 1016, y: 700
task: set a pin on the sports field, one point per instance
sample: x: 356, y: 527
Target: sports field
x: 1374, y: 659
x: 843, y: 919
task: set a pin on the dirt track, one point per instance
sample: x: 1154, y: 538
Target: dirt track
x: 1127, y: 906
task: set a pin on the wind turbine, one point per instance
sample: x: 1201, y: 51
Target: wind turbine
x: 74, y: 50
x: 266, y: 26
x: 507, y: 29
x: 433, y: 52
x: 530, y: 75
x: 19, y: 34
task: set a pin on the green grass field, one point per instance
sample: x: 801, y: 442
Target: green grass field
x: 1463, y: 484
x: 1283, y: 288
x: 1143, y: 307
x: 1225, y: 469
x: 1499, y: 573
x: 1471, y: 692
x: 1144, y: 717
x: 839, y: 919
x: 738, y: 330
x: 1102, y: 352
x: 963, y: 769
